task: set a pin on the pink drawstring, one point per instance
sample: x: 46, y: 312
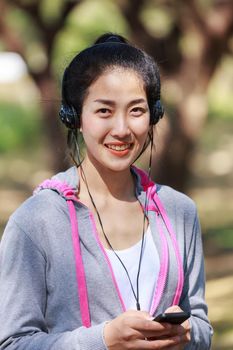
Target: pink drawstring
x: 158, y: 207
x: 176, y: 248
x: 80, y: 273
x: 163, y: 268
x: 69, y: 194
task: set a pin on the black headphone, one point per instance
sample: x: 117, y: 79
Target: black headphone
x: 71, y: 119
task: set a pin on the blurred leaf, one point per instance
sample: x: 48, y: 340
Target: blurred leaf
x: 220, y: 237
x: 90, y: 19
x: 220, y: 91
x: 22, y: 24
x: 20, y: 128
x: 50, y: 10
x: 157, y: 20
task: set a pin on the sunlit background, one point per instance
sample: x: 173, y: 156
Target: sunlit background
x: 38, y: 39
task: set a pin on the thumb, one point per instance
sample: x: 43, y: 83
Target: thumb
x: 174, y: 308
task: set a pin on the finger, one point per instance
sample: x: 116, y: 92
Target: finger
x: 169, y: 330
x: 168, y: 343
x: 179, y: 331
x: 152, y: 328
x: 174, y: 308
x: 138, y: 314
x: 159, y: 330
x: 183, y: 341
x: 186, y: 325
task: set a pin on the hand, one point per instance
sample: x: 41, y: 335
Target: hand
x: 136, y: 330
x: 184, y: 331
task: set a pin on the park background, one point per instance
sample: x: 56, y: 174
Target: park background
x: 192, y: 43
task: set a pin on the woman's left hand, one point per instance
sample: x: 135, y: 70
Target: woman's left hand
x: 185, y: 331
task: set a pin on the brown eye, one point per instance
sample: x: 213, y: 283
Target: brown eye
x: 137, y: 111
x: 104, y: 112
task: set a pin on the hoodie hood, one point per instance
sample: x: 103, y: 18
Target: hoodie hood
x: 64, y: 183
x: 67, y: 183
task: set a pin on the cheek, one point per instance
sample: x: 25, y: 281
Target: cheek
x: 94, y: 130
x: 141, y: 128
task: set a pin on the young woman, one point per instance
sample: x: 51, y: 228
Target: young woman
x: 98, y: 251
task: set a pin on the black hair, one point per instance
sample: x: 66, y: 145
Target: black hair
x: 109, y: 50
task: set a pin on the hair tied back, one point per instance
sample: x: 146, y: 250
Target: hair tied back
x: 111, y: 38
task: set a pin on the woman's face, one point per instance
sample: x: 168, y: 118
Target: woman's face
x: 115, y: 119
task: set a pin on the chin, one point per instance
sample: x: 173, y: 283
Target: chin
x: 118, y: 166
x: 104, y: 163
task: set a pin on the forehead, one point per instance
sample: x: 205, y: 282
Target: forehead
x: 118, y: 81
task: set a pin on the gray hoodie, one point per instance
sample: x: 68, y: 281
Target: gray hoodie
x: 40, y: 303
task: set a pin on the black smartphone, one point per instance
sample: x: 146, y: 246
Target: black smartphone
x: 172, y: 317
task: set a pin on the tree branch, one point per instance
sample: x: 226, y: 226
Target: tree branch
x: 164, y: 50
x: 47, y: 30
x: 217, y: 22
x: 68, y: 6
x: 11, y: 40
x: 196, y: 15
x: 32, y: 9
x: 220, y: 19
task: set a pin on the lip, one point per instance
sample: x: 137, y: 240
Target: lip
x: 118, y: 153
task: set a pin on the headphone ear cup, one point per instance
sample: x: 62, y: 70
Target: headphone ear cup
x: 69, y: 117
x: 157, y: 112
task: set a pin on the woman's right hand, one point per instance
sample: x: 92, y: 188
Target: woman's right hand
x: 136, y: 330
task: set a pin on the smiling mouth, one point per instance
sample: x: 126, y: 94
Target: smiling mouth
x: 118, y: 147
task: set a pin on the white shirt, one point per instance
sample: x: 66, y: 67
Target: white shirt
x: 148, y: 274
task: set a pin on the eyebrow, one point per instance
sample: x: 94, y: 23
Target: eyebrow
x: 106, y: 102
x: 112, y: 103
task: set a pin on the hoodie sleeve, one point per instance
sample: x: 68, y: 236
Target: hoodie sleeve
x: 23, y: 300
x: 193, y: 297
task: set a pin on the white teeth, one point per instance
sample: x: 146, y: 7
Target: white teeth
x: 118, y: 148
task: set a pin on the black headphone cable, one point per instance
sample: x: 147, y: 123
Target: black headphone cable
x: 145, y: 216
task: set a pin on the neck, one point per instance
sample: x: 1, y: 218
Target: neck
x: 108, y: 183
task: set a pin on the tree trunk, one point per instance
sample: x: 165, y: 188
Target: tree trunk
x: 171, y: 165
x: 190, y: 73
x: 52, y: 127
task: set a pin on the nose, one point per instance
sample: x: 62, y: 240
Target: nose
x: 120, y: 127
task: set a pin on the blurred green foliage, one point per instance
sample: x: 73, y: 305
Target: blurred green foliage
x: 220, y: 91
x: 20, y: 128
x: 158, y: 20
x: 219, y: 239
x: 89, y: 20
